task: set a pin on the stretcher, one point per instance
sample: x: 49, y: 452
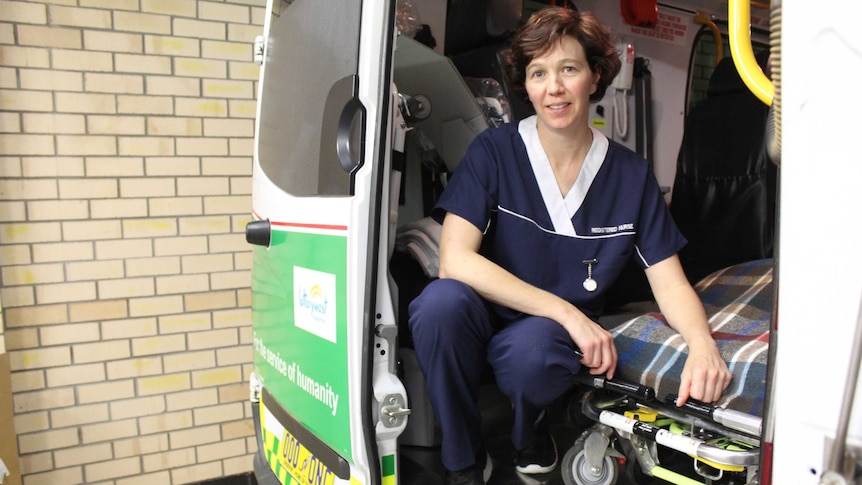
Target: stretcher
x: 637, y: 429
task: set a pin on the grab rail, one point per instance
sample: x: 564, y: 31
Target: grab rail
x: 739, y: 20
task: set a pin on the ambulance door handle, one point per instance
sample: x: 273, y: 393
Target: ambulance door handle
x: 259, y: 233
x: 349, y: 136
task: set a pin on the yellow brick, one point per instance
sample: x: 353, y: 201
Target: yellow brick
x: 29, y: 189
x: 187, y: 361
x: 193, y: 437
x: 49, y: 36
x: 86, y: 145
x: 28, y: 423
x: 23, y: 339
x: 54, y: 252
x: 41, y: 79
x: 48, y: 440
x: 160, y: 166
x: 34, y: 315
x: 32, y: 274
x: 199, y: 29
x: 14, y: 144
x: 213, y: 338
x: 236, y: 355
x: 147, y: 187
x: 161, y: 344
x: 53, y: 123
x: 228, y: 243
x: 187, y: 186
x: 101, y: 351
x: 130, y: 328
x: 192, y: 226
x: 14, y: 211
x: 118, y: 208
x: 243, y: 33
x: 169, y: 7
x: 107, y: 391
x: 222, y: 450
x: 142, y: 445
x: 10, y: 167
x: 244, y: 70
x: 94, y: 311
x: 23, y: 13
x: 78, y: 415
x: 243, y: 298
x: 203, y: 68
x: 258, y: 16
x: 174, y: 126
x: 96, y: 40
x: 53, y: 167
x: 149, y: 228
x: 172, y: 46
x: 229, y: 127
x: 113, y: 469
x: 240, y: 108
x: 135, y: 248
x: 57, y: 477
x: 143, y: 64
x: 134, y: 408
x: 159, y: 305
x: 139, y: 367
x: 65, y: 292
x: 80, y: 17
x: 206, y: 263
x: 15, y: 254
x: 96, y: 270
x: 110, y: 4
x: 126, y: 288
x: 223, y: 12
x: 38, y: 462
x: 68, y: 334
x: 168, y: 285
x: 238, y: 429
x: 169, y: 460
x: 85, y: 61
x: 227, y: 205
x: 91, y: 230
x: 216, y: 377
x: 116, y: 125
x: 55, y: 210
x: 12, y: 100
x: 8, y: 77
x: 163, y: 384
x: 153, y: 266
x: 231, y: 51
x: 176, y: 206
x: 192, y: 399
x: 114, y: 83
x: 142, y: 22
x: 144, y: 146
x: 38, y: 400
x: 217, y: 88
x: 180, y: 245
x: 25, y: 56
x: 9, y: 123
x: 196, y: 473
x: 233, y: 393
x: 18, y: 296
x: 96, y: 433
x: 240, y: 317
x: 83, y: 454
x: 219, y: 414
x: 173, y: 86
x: 166, y: 422
x: 154, y: 105
x: 231, y: 279
x: 202, y: 146
x: 7, y: 34
x: 240, y: 464
x: 241, y: 146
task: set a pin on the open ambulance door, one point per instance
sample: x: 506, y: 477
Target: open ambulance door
x: 327, y: 403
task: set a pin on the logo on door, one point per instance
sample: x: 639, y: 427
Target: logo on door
x: 314, y: 302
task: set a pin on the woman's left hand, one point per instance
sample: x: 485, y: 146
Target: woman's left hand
x: 705, y: 375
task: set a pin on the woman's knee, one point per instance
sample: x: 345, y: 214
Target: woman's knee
x: 447, y: 307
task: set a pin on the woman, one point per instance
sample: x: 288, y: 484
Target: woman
x: 538, y: 221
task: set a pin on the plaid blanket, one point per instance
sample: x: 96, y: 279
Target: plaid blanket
x: 738, y: 302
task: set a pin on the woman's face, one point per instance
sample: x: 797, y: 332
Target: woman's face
x: 559, y: 84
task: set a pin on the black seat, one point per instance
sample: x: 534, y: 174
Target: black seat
x: 723, y: 196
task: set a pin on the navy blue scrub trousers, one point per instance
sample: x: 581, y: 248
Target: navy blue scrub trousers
x: 455, y: 332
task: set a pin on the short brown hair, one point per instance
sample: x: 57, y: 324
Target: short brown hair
x: 545, y: 29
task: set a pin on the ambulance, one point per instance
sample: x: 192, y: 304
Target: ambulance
x: 364, y: 110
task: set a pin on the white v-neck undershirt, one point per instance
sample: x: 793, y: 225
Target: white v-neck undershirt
x: 562, y: 209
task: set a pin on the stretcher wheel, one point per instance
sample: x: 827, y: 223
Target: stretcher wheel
x: 576, y: 471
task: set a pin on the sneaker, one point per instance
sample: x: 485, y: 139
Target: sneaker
x: 477, y: 474
x: 540, y: 456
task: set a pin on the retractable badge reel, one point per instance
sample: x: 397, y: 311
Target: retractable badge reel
x: 589, y: 283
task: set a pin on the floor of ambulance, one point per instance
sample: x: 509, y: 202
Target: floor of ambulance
x: 421, y: 465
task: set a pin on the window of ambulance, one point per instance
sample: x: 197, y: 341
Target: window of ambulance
x: 308, y: 76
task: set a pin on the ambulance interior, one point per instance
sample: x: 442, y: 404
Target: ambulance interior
x: 688, y: 112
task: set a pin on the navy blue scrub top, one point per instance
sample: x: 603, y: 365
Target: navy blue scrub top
x: 505, y: 187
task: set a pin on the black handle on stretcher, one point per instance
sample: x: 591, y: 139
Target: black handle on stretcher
x: 628, y: 388
x: 737, y: 420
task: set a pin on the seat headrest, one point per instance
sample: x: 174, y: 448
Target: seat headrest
x: 725, y: 78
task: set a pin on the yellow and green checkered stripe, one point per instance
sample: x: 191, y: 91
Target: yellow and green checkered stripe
x: 388, y: 466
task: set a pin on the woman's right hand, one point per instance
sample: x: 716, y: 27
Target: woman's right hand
x: 595, y: 343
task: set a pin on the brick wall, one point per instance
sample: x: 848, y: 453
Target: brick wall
x: 126, y: 133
